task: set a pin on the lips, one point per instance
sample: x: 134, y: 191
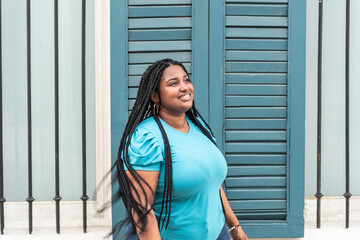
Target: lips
x: 185, y: 97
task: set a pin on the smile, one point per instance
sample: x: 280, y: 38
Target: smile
x: 185, y: 97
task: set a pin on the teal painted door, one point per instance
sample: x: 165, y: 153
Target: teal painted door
x: 246, y: 59
x: 256, y: 43
x: 261, y: 104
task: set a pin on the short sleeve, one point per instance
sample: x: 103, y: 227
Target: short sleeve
x: 144, y: 151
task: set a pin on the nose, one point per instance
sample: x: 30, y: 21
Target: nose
x: 183, y: 86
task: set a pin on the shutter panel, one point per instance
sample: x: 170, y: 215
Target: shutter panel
x: 256, y: 108
x: 263, y: 95
x: 156, y: 30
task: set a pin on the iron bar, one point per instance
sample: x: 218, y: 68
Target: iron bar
x: 347, y: 193
x: 84, y: 197
x: 57, y: 197
x: 318, y: 193
x: 30, y: 198
x: 2, y: 199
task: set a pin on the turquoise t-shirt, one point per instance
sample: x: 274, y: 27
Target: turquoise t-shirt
x: 199, y: 169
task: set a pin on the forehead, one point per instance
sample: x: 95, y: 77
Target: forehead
x: 173, y: 71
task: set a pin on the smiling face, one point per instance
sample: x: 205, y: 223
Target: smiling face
x: 176, y: 91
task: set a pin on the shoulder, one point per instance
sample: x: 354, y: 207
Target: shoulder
x: 203, y: 124
x: 145, y: 148
x: 206, y: 127
x: 148, y: 127
x: 147, y: 124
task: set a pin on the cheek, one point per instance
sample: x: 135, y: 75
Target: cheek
x: 168, y: 93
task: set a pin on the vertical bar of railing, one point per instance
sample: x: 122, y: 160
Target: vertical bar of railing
x: 347, y: 193
x: 84, y: 197
x: 57, y: 197
x: 30, y: 198
x: 318, y: 193
x: 2, y: 199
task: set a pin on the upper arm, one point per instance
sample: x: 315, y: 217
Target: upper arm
x: 147, y: 187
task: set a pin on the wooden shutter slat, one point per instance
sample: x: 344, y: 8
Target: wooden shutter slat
x: 134, y: 81
x: 132, y: 92
x: 158, y: 2
x: 256, y: 9
x: 256, y: 21
x: 255, y: 112
x: 255, y: 147
x: 257, y: 204
x: 280, y: 78
x: 256, y: 159
x: 256, y: 32
x: 256, y: 44
x: 257, y: 1
x: 277, y: 101
x: 140, y: 68
x: 255, y: 124
x: 256, y: 55
x: 154, y: 46
x: 131, y: 104
x: 241, y: 89
x: 160, y: 11
x: 184, y: 57
x: 265, y: 215
x: 256, y: 170
x: 245, y: 194
x: 153, y: 23
x: 237, y: 135
x: 160, y: 34
x: 256, y: 67
x: 258, y: 181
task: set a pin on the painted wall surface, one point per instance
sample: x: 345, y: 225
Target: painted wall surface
x: 333, y: 98
x: 43, y: 116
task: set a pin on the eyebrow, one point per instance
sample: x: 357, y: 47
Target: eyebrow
x: 175, y: 78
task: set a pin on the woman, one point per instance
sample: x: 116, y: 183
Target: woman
x: 168, y: 166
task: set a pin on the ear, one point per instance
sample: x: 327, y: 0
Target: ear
x: 155, y: 97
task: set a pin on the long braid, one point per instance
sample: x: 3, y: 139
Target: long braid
x: 168, y: 176
x: 142, y: 109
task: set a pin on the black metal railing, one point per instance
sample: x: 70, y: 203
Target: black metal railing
x: 347, y: 193
x: 57, y: 197
x: 30, y: 199
x: 318, y: 194
x: 2, y: 199
x: 84, y: 197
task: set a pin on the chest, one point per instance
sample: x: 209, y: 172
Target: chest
x: 197, y: 165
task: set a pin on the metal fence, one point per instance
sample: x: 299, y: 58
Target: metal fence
x: 347, y: 193
x: 30, y: 199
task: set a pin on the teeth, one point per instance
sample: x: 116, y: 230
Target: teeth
x: 185, y: 97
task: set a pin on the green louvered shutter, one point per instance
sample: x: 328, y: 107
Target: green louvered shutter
x: 247, y: 56
x: 156, y: 30
x: 256, y: 108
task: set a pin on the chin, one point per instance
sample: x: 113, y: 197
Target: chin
x: 187, y: 108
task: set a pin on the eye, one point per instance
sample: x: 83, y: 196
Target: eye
x: 187, y: 80
x: 173, y: 83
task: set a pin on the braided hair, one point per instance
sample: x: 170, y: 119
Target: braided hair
x: 143, y: 108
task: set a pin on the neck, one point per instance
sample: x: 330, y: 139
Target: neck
x: 177, y: 122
